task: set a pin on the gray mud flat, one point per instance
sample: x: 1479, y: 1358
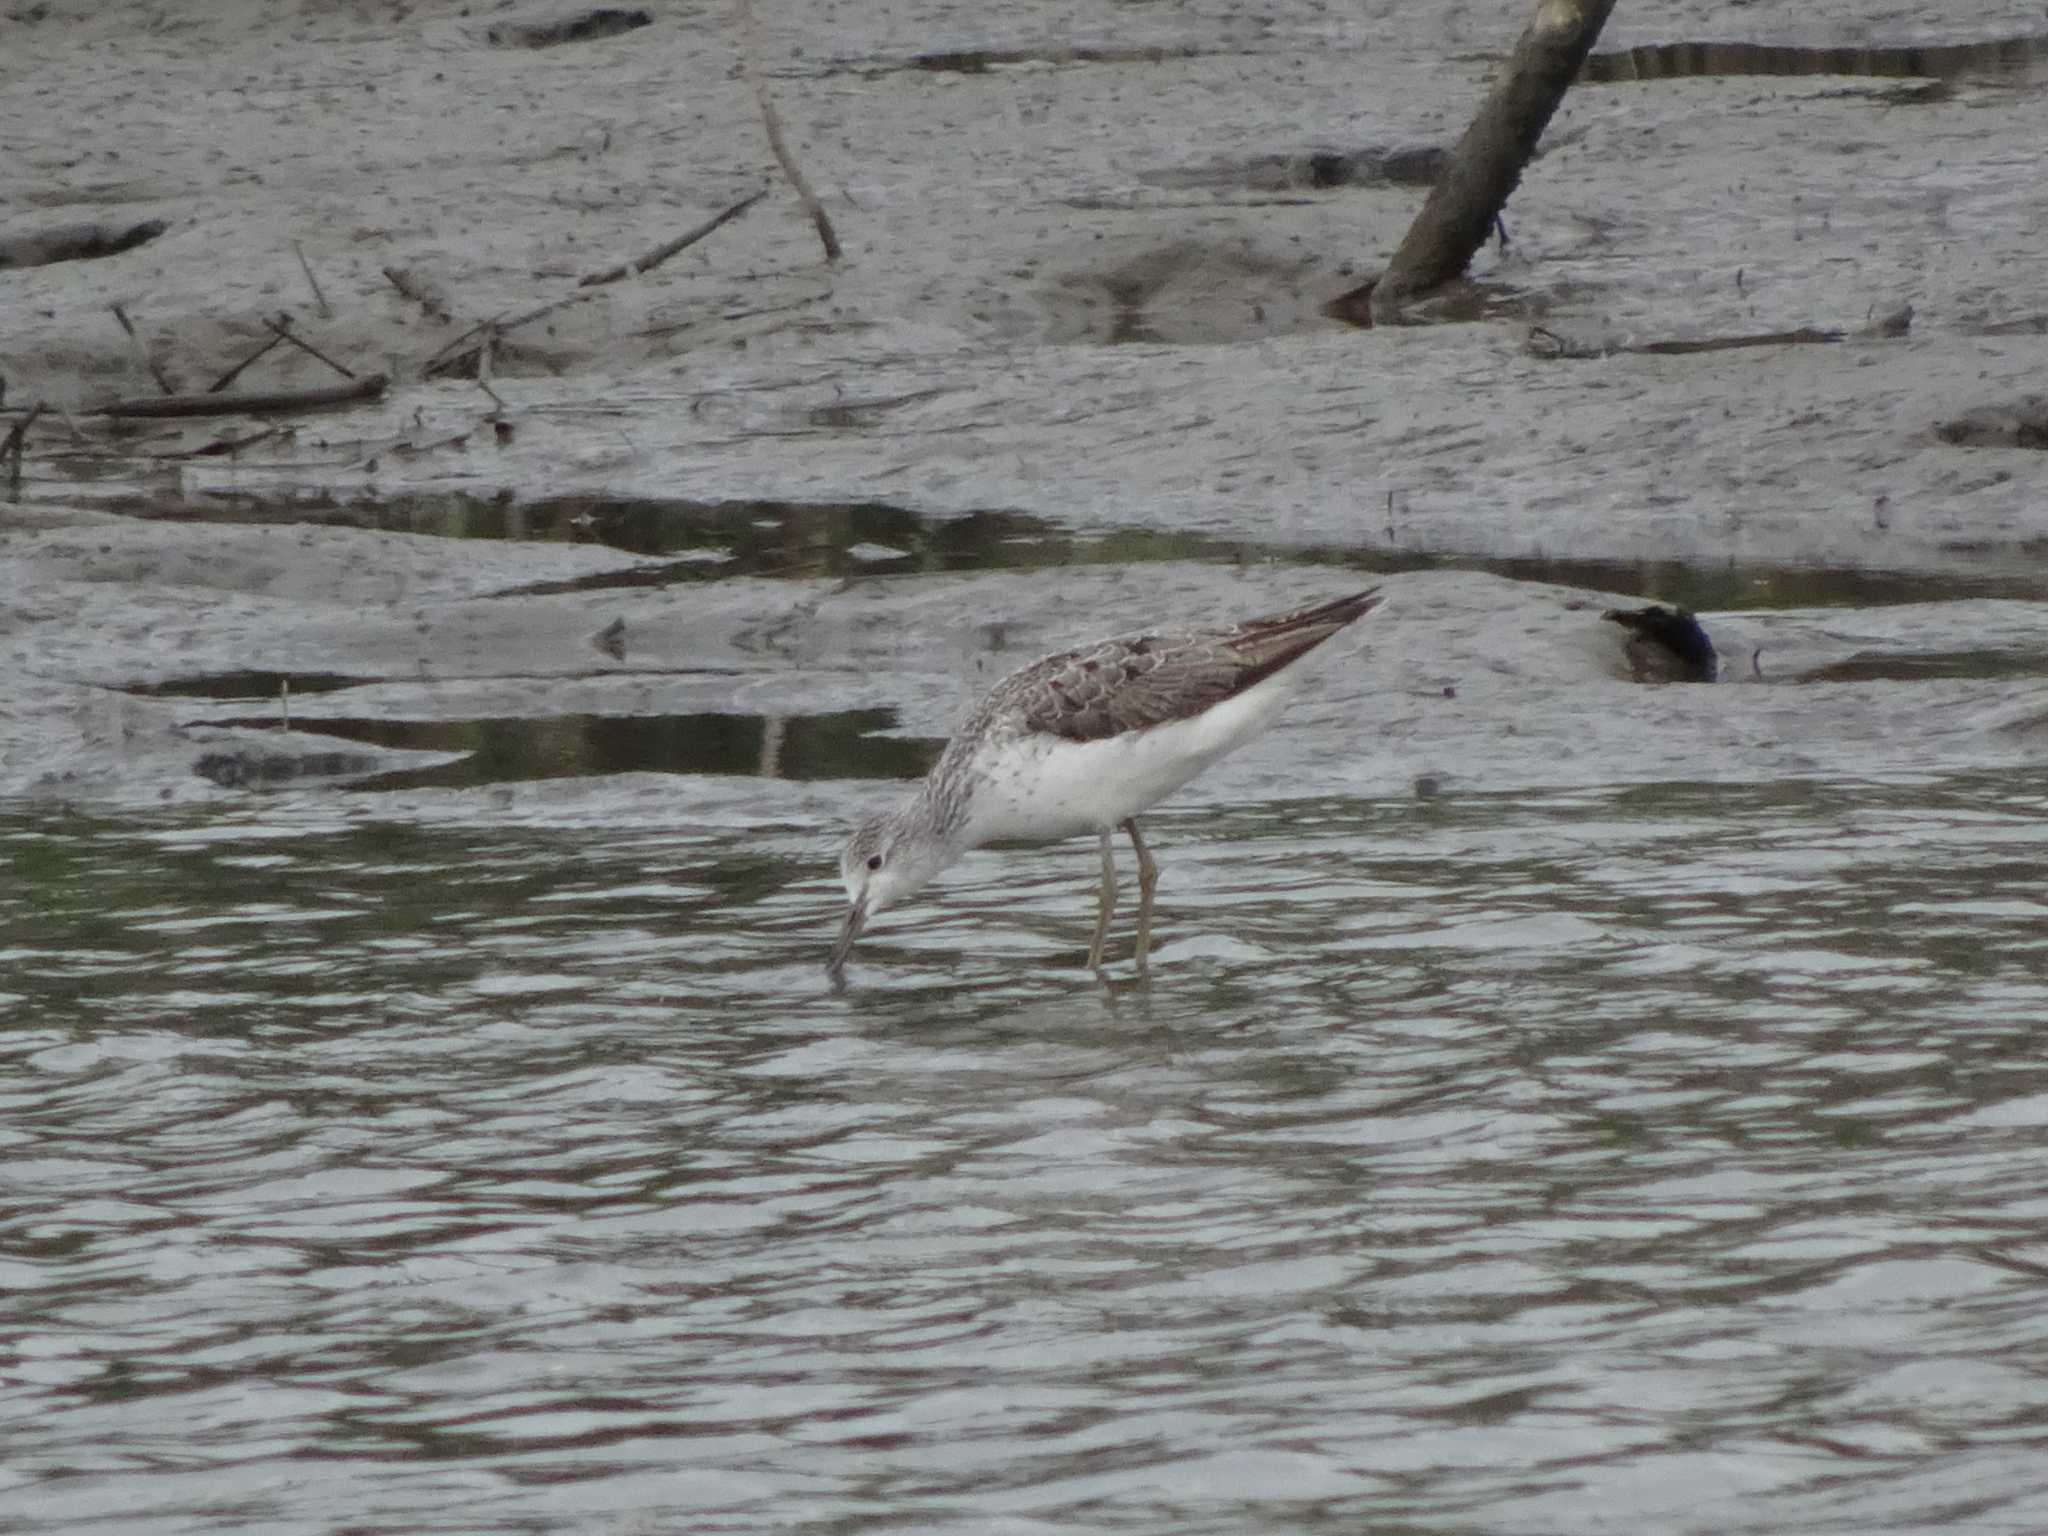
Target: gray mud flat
x: 1563, y: 1102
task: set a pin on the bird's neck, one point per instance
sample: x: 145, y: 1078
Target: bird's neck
x: 941, y: 802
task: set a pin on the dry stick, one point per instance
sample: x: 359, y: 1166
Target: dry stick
x: 227, y: 405
x: 16, y: 445
x: 229, y: 377
x: 661, y: 253
x: 1466, y: 201
x: 285, y: 333
x: 772, y: 122
x: 312, y: 282
x: 483, y: 337
x: 142, y: 352
x: 1550, y: 345
x: 420, y: 292
x: 472, y: 341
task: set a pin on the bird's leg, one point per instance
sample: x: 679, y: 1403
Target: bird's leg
x: 1148, y: 882
x: 1108, y: 903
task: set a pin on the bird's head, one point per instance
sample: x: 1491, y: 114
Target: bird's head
x: 888, y: 858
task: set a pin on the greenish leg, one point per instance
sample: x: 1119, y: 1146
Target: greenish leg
x: 1148, y: 882
x: 1107, y: 906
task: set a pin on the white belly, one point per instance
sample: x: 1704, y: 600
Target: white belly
x: 1040, y: 787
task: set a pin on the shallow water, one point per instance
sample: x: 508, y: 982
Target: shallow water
x: 718, y: 540
x: 1654, y: 1158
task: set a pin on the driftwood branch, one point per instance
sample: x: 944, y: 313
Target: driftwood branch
x: 1466, y: 202
x: 654, y: 258
x: 227, y: 405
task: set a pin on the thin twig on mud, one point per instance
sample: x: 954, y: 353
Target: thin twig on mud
x: 771, y: 121
x: 284, y: 332
x: 661, y: 253
x: 312, y: 282
x: 227, y: 405
x: 142, y: 352
x: 233, y: 373
x: 467, y: 348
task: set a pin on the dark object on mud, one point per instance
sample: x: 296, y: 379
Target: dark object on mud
x: 226, y: 405
x: 245, y: 768
x: 75, y: 242
x: 576, y: 27
x: 1464, y: 206
x: 1666, y: 645
x: 2023, y: 424
x: 1415, y: 166
x: 980, y: 61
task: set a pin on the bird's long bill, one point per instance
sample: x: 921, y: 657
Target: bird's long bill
x: 856, y: 919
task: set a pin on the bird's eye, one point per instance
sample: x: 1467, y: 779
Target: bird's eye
x: 874, y: 861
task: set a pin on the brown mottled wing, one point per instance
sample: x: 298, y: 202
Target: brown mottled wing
x: 1137, y: 681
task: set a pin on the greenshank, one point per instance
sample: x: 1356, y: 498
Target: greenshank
x: 1083, y: 741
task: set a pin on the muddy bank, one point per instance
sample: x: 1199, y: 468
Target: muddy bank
x: 1083, y: 286
x: 171, y: 672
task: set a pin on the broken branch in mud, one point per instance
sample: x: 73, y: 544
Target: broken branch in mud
x: 227, y: 405
x: 654, y: 258
x: 771, y: 122
x: 1484, y: 169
